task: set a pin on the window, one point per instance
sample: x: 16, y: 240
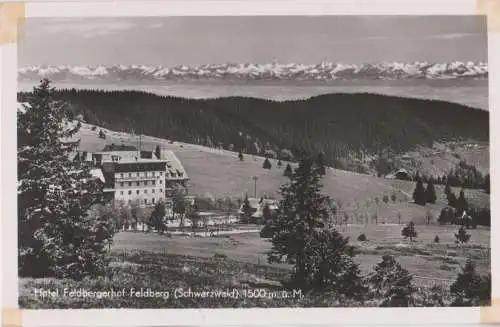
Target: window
x: 121, y: 192
x: 138, y: 183
x: 145, y: 201
x: 137, y: 192
x: 137, y: 174
x: 154, y: 182
x: 145, y: 191
x: 146, y: 183
x: 129, y: 183
x: 153, y: 200
x: 161, y: 173
x: 129, y: 174
x: 121, y: 175
x: 129, y: 192
x: 153, y: 190
x: 161, y: 182
x: 121, y: 184
x: 161, y: 190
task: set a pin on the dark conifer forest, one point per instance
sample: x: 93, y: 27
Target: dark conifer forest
x: 345, y: 127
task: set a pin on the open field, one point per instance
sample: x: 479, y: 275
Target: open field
x: 168, y: 265
x: 421, y: 257
x: 219, y: 173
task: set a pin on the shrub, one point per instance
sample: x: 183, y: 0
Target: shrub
x: 240, y: 156
x: 385, y: 199
x: 436, y: 239
x: 470, y: 289
x: 392, y: 283
x: 362, y: 238
x: 220, y: 256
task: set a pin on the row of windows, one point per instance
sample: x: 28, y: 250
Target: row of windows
x: 141, y: 174
x: 145, y: 201
x: 139, y: 192
x: 146, y: 183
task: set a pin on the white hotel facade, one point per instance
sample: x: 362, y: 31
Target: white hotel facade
x: 131, y: 177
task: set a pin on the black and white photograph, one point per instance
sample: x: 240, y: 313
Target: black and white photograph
x: 253, y: 162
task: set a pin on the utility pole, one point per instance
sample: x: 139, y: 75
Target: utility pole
x: 255, y: 178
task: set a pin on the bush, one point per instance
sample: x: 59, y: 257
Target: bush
x: 470, y: 289
x: 392, y: 283
x: 220, y: 256
x: 362, y: 238
x: 436, y: 239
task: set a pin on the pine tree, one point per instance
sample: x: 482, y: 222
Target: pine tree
x: 158, y: 151
x: 266, y: 164
x: 247, y: 210
x: 409, y: 231
x: 288, y: 171
x: 157, y: 218
x: 430, y: 192
x: 470, y: 289
x: 392, y: 283
x: 57, y: 236
x: 419, y: 195
x: 300, y: 236
x: 462, y: 236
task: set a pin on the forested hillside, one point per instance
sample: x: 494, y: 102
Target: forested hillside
x: 346, y: 127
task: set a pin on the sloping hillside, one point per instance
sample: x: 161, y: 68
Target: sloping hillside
x: 218, y: 173
x: 348, y: 128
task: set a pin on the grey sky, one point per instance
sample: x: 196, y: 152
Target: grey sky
x: 170, y: 41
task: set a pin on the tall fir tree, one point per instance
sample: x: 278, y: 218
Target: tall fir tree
x: 57, y: 236
x: 430, y: 192
x: 301, y: 237
x: 419, y: 195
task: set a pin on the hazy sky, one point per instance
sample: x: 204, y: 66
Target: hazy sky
x: 170, y: 41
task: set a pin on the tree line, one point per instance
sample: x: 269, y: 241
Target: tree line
x: 345, y: 127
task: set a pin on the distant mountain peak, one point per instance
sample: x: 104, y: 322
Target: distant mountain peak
x: 324, y: 71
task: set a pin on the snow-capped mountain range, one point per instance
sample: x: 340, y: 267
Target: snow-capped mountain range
x: 324, y: 71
